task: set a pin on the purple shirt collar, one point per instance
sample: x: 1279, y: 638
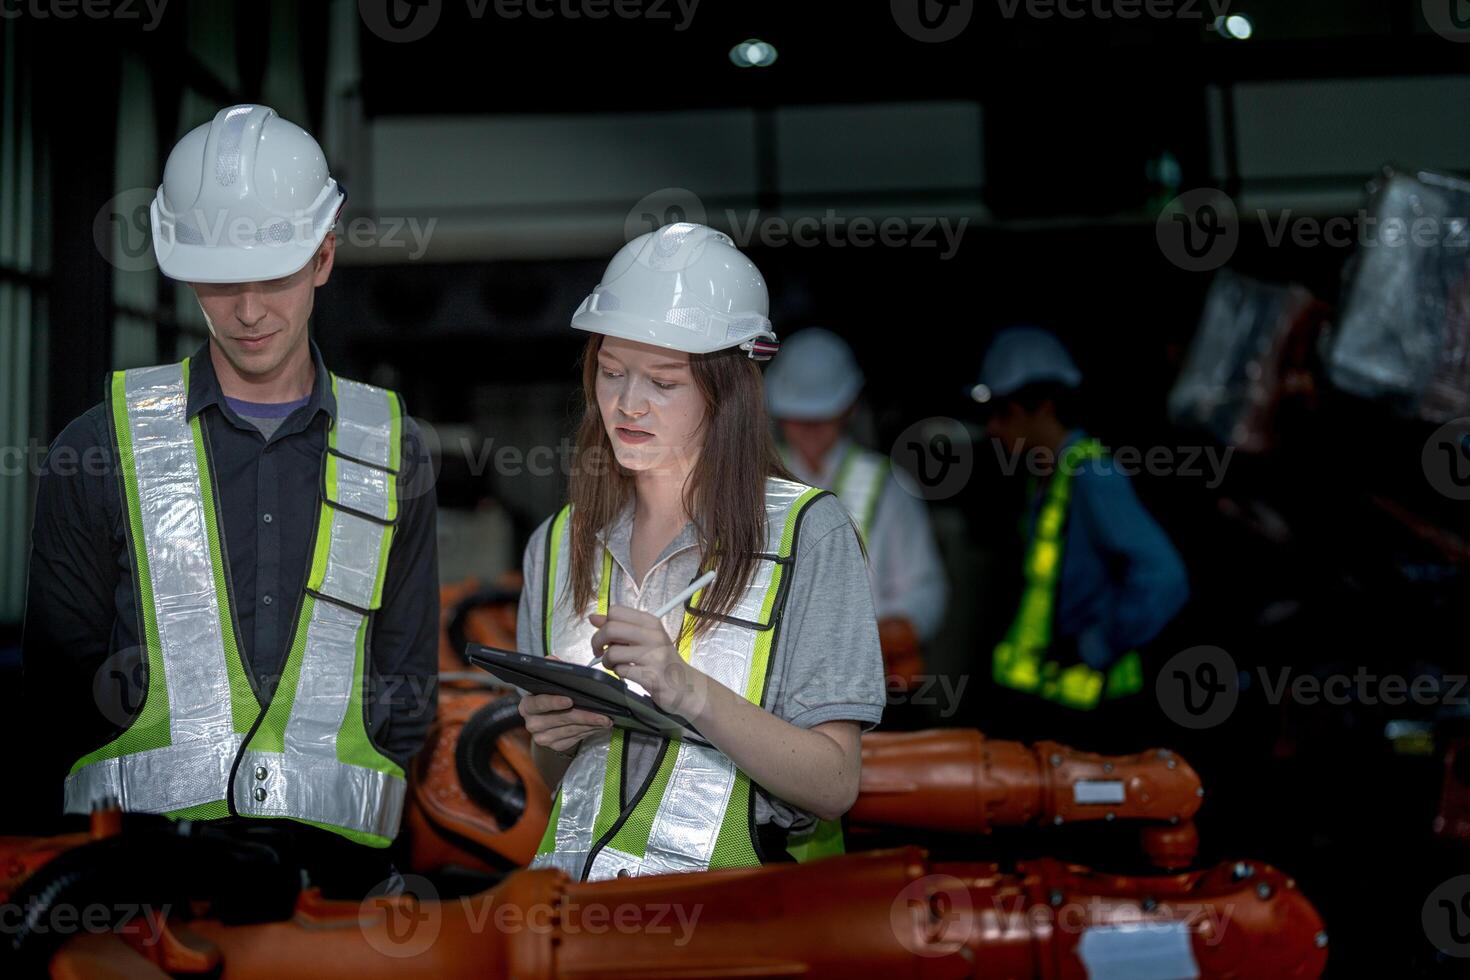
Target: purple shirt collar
x: 265, y: 410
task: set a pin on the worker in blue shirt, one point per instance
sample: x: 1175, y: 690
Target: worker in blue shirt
x: 1100, y: 577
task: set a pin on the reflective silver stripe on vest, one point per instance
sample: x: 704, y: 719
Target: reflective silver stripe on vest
x: 315, y: 786
x: 571, y: 639
x: 352, y: 562
x: 186, y: 608
x: 583, y: 784
x: 364, y: 489
x: 862, y: 485
x: 364, y: 423
x: 309, y: 781
x: 156, y: 780
x: 687, y: 822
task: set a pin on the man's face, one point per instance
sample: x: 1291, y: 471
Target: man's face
x: 812, y: 439
x: 257, y: 326
x: 1010, y: 424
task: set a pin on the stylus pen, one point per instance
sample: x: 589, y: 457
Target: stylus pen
x: 673, y: 603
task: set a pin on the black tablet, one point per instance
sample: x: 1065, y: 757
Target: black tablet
x: 590, y: 688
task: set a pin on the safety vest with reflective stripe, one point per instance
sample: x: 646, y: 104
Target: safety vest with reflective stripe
x: 202, y: 747
x: 859, y: 483
x: 1021, y: 660
x: 695, y: 810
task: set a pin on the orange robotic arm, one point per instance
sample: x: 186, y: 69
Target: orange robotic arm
x: 884, y: 913
x: 957, y: 780
x: 944, y: 780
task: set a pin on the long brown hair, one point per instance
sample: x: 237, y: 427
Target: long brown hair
x: 726, y: 491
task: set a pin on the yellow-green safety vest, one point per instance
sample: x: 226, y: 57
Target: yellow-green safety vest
x: 202, y: 746
x: 1021, y: 660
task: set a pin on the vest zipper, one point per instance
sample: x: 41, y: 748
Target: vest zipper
x: 627, y: 811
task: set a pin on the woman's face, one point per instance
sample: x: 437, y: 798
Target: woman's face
x: 651, y: 407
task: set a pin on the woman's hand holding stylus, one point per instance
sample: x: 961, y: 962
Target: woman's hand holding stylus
x: 638, y: 650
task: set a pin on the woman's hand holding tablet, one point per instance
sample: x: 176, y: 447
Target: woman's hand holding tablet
x: 554, y: 724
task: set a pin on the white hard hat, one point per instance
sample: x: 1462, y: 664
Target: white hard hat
x: 245, y: 198
x: 685, y: 287
x: 1021, y: 356
x: 816, y: 377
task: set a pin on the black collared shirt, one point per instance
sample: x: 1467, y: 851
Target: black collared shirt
x: 81, y: 642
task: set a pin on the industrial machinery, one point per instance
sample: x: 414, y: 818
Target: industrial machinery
x: 891, y: 913
x: 476, y: 811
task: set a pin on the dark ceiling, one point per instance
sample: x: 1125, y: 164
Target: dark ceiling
x: 836, y: 52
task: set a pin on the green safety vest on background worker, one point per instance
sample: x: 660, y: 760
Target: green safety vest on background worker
x: 202, y: 747
x: 1022, y: 660
x: 858, y: 483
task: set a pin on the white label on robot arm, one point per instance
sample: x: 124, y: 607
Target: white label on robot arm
x: 1138, y: 951
x: 1097, y: 791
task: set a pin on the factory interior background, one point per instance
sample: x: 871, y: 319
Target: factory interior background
x: 1197, y: 198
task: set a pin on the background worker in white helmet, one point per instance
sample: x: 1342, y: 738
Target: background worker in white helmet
x: 219, y: 614
x: 1100, y: 577
x: 812, y: 392
x: 776, y: 662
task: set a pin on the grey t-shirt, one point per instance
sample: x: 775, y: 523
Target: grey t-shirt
x: 827, y: 664
x: 265, y: 416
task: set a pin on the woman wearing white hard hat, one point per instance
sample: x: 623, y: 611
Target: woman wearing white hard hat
x: 775, y: 663
x: 812, y: 393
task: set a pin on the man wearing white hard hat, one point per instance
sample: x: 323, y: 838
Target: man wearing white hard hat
x: 1100, y: 577
x: 259, y: 557
x: 812, y: 391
